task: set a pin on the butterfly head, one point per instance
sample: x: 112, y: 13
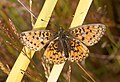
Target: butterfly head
x: 60, y: 32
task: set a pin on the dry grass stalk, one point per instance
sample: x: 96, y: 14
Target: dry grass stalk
x: 22, y: 61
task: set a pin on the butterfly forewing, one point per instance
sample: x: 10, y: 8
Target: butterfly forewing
x: 35, y: 39
x: 78, y: 51
x: 54, y: 52
x: 88, y: 34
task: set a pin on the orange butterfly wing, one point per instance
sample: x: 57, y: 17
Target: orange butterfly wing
x: 77, y: 50
x: 35, y: 40
x: 54, y: 52
x: 88, y: 34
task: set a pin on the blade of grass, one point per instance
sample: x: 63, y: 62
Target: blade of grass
x: 81, y: 12
x: 22, y: 61
x: 78, y: 19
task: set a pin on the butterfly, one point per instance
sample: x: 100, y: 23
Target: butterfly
x: 65, y: 44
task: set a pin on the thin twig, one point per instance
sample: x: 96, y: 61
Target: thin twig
x: 69, y: 73
x: 27, y: 9
x: 3, y: 68
x: 32, y: 21
x: 86, y: 72
x: 85, y: 78
x: 46, y: 68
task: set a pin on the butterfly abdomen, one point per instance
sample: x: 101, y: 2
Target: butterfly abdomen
x: 65, y: 48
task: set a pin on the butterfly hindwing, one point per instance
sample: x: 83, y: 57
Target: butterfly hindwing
x: 54, y: 52
x: 88, y: 34
x: 78, y: 51
x: 36, y: 39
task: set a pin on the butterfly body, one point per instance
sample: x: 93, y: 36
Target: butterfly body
x: 62, y: 37
x: 64, y: 44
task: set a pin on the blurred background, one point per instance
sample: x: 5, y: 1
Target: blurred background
x: 103, y: 63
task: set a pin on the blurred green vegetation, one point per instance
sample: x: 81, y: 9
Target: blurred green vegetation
x: 103, y: 63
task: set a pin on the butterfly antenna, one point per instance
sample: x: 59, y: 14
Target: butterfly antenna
x: 27, y: 9
x: 56, y: 25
